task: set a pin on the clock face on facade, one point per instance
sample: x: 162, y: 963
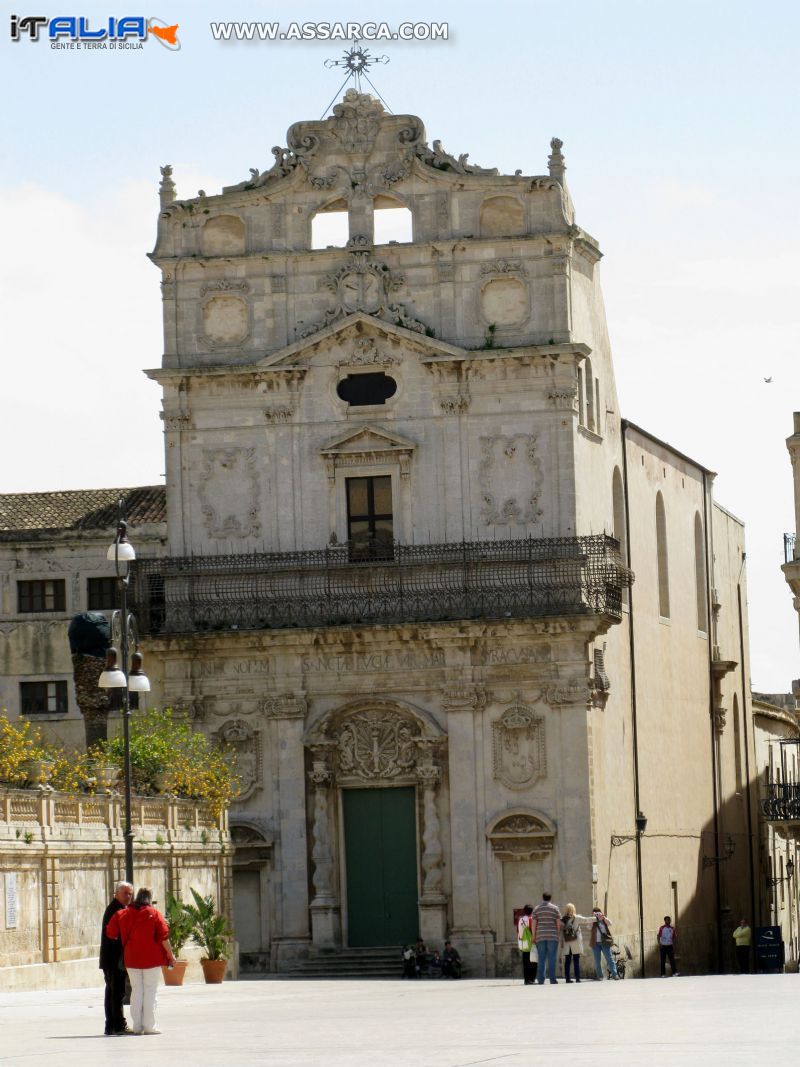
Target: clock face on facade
x: 361, y: 292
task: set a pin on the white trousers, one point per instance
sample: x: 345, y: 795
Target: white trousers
x: 144, y: 984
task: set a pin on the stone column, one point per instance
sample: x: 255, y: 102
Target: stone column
x: 433, y: 903
x: 325, y: 913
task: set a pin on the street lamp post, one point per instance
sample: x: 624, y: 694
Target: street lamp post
x: 126, y: 675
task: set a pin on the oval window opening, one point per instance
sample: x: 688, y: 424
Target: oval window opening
x: 358, y: 390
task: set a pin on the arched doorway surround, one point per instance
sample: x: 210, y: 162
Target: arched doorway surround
x: 374, y: 744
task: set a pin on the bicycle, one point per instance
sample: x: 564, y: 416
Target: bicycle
x: 620, y: 960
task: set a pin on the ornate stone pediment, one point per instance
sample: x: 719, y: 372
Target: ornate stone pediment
x: 353, y: 334
x: 368, y: 445
x: 520, y: 834
x: 518, y: 747
x: 377, y: 741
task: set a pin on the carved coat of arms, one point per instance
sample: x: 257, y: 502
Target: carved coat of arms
x: 518, y: 748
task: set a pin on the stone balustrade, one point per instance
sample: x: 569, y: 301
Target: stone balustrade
x: 61, y: 855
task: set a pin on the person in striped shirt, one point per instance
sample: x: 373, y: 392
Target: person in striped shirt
x: 546, y: 928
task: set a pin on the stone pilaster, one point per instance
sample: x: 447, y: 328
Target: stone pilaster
x: 325, y: 915
x: 433, y: 903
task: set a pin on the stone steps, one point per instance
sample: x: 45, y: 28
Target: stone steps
x: 378, y: 962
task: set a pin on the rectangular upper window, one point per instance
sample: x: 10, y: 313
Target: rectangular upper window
x: 43, y: 698
x: 369, y: 518
x: 46, y: 595
x: 101, y: 594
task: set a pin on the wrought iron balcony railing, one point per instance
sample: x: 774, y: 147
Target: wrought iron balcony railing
x: 335, y: 586
x: 782, y: 802
x: 789, y: 542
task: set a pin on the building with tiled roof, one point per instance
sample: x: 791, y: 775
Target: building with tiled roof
x: 52, y: 566
x: 23, y: 514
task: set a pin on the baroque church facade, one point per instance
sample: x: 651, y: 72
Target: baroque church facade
x: 472, y: 634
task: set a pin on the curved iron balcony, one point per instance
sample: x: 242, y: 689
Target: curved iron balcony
x: 348, y: 584
x: 782, y: 802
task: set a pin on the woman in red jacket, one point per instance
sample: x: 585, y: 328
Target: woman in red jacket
x: 145, y: 946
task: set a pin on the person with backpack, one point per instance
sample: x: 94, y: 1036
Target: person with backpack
x: 526, y: 945
x: 572, y: 941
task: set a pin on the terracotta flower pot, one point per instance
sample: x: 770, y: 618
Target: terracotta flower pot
x: 175, y: 976
x: 213, y: 971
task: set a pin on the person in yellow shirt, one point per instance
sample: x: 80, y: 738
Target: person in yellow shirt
x: 743, y: 937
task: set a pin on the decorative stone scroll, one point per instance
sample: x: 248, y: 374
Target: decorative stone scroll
x: 364, y: 284
x: 246, y: 743
x: 225, y: 286
x: 464, y: 698
x: 520, y: 834
x: 285, y: 706
x: 570, y: 691
x: 366, y: 353
x: 519, y: 756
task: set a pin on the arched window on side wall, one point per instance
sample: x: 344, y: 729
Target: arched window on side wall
x: 662, y: 558
x: 589, y: 378
x: 700, y: 574
x: 620, y: 533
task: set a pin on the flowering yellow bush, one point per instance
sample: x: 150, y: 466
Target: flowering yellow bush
x: 19, y: 742
x: 167, y: 756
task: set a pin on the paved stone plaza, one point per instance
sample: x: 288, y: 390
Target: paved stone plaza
x: 678, y: 1021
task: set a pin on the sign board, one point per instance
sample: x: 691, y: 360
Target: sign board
x: 769, y: 948
x: 11, y: 900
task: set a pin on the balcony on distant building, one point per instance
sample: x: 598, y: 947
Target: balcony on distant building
x: 791, y: 565
x: 335, y: 586
x: 781, y: 802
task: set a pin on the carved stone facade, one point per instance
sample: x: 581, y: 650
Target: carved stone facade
x: 467, y: 763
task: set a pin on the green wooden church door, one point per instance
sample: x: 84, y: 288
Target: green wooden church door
x: 381, y: 857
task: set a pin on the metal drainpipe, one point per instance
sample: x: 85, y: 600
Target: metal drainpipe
x: 711, y: 635
x: 751, y: 843
x: 634, y: 731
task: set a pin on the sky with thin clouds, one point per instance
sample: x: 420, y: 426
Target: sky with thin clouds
x: 680, y: 129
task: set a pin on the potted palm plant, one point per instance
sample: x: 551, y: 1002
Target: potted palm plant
x: 181, y: 924
x: 211, y: 932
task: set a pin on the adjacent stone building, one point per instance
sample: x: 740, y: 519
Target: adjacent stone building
x: 777, y: 731
x: 404, y: 519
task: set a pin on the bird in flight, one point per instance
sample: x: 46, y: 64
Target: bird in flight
x: 768, y: 380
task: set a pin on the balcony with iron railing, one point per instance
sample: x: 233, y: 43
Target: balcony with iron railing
x: 342, y: 584
x: 789, y: 547
x: 781, y: 802
x: 791, y: 566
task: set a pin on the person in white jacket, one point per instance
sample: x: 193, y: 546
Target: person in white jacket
x: 571, y: 940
